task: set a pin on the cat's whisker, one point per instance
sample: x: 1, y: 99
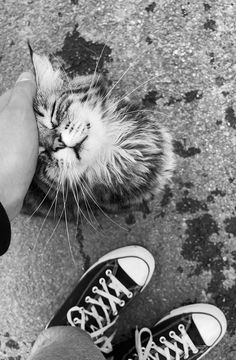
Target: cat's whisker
x: 87, y: 208
x: 97, y: 64
x: 148, y: 110
x: 40, y: 204
x: 53, y: 232
x: 88, y: 205
x: 117, y: 82
x: 76, y: 197
x: 131, y: 92
x: 66, y: 222
x: 41, y: 227
x: 57, y: 193
x: 94, y: 76
x: 87, y: 190
x: 59, y: 185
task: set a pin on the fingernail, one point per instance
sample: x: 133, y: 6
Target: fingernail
x: 25, y: 76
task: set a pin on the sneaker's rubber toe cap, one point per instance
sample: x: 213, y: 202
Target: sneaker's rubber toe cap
x: 211, y: 327
x: 136, y: 269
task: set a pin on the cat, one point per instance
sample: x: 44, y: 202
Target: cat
x: 94, y: 147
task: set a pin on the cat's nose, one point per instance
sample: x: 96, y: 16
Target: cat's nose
x: 58, y: 144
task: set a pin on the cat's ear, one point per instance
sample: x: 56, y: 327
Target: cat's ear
x: 47, y: 78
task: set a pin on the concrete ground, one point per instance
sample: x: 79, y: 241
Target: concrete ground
x: 182, y: 57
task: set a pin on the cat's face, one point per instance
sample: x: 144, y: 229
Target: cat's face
x: 91, y: 143
x: 72, y: 134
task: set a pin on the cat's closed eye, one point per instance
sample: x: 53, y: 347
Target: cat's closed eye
x: 53, y: 120
x: 38, y: 112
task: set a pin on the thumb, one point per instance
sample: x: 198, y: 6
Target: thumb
x: 23, y: 91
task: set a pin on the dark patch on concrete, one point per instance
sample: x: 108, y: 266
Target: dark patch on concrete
x: 188, y: 184
x: 210, y: 198
x: 184, y: 12
x: 188, y: 97
x: 81, y: 56
x: 74, y: 2
x: 230, y: 225
x: 231, y: 180
x: 180, y: 269
x: 80, y: 239
x: 130, y: 219
x: 213, y: 193
x: 173, y: 100
x: 12, y: 344
x: 59, y: 14
x: 185, y: 192
x: 151, y: 7
x: 219, y: 80
x: 150, y: 98
x: 143, y: 207
x: 149, y: 40
x: 181, y: 150
x: 212, y: 58
x: 225, y: 93
x: 190, y: 205
x: 167, y: 196
x: 210, y: 24
x: 218, y: 192
x: 224, y: 298
x: 192, y: 95
x: 207, y: 7
x: 185, y: 184
x: 7, y: 334
x: 230, y: 117
x: 198, y: 247
x: 18, y: 357
x: 218, y: 122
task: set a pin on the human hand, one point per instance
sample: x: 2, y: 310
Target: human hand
x: 18, y: 143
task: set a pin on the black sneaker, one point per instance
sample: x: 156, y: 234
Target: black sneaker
x: 103, y: 291
x: 188, y: 332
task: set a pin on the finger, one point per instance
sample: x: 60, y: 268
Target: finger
x: 23, y: 91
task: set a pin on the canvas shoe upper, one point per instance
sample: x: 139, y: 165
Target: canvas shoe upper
x: 103, y: 291
x: 188, y: 332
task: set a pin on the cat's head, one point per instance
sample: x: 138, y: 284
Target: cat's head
x: 71, y: 116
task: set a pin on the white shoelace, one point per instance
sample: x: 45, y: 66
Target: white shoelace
x: 78, y: 316
x: 152, y: 351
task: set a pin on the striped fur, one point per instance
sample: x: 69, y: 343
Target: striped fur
x: 102, y: 149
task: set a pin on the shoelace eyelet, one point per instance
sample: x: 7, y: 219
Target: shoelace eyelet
x: 162, y: 339
x: 130, y: 295
x: 122, y: 303
x: 108, y: 272
x: 181, y: 327
x: 171, y: 333
x: 87, y: 299
x: 94, y: 289
x: 101, y: 281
